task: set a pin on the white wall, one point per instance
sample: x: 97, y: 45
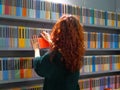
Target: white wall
x: 107, y: 5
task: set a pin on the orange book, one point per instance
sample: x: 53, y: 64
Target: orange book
x: 43, y: 43
x: 24, y: 9
x: 118, y: 62
x: 105, y: 40
x: 21, y: 68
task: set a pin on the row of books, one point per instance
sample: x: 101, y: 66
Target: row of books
x: 100, y: 63
x: 19, y: 37
x: 33, y: 87
x: 22, y: 67
x: 100, y: 83
x: 53, y: 11
x: 101, y: 40
x: 16, y: 68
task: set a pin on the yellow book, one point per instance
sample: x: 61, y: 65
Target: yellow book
x: 95, y: 16
x: 96, y: 40
x: 113, y: 19
x: 90, y: 64
x: 103, y: 40
x: 37, y: 87
x: 118, y: 20
x: 106, y: 64
x: 119, y: 61
x: 85, y: 39
x: 13, y: 8
x: 91, y: 39
x: 119, y: 41
x: 57, y: 11
x: 29, y: 68
x: 21, y: 38
x: 47, y: 11
x: 96, y: 63
x: 81, y: 84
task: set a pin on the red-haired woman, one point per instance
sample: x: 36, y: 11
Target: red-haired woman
x: 60, y: 66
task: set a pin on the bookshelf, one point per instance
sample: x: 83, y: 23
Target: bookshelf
x: 28, y: 52
x: 26, y: 22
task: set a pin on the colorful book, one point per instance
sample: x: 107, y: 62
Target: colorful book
x: 5, y: 71
x: 17, y: 68
x: 42, y: 9
x: 37, y: 8
x: 1, y: 7
x: 24, y: 8
x: 1, y: 69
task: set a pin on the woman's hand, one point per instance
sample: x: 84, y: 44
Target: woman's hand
x: 35, y: 42
x: 46, y: 36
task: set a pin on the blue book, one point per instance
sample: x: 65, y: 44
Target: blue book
x: 116, y: 41
x: 12, y: 68
x: 113, y: 62
x: 93, y: 64
x: 116, y: 20
x: 42, y: 10
x: 113, y: 42
x: 1, y: 32
x: 60, y: 10
x: 108, y: 82
x: 1, y: 10
x: 106, y: 18
x: 89, y: 34
x: 102, y: 83
x: 99, y: 40
x: 20, y: 2
x: 37, y: 9
x: 5, y: 71
x: 18, y: 8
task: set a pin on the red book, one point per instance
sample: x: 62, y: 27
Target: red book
x: 90, y: 84
x: 43, y: 43
x: 115, y: 82
x: 6, y: 7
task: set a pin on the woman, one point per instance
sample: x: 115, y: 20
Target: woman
x: 60, y: 66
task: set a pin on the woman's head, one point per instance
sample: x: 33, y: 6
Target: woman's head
x: 68, y: 37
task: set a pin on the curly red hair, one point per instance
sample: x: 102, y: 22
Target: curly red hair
x: 68, y: 37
